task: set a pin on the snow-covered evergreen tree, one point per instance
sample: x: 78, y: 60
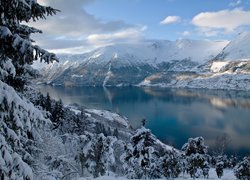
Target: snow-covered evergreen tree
x: 219, y: 166
x: 140, y: 157
x: 48, y: 103
x: 57, y: 114
x: 197, y: 157
x: 17, y: 52
x: 96, y: 156
x: 20, y: 121
x: 242, y: 169
x: 171, y: 164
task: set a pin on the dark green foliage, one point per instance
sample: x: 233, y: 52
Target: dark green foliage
x: 98, y: 149
x: 171, y: 165
x: 57, y: 114
x: 197, y: 159
x: 48, y: 103
x: 15, y: 42
x: 116, y: 133
x: 219, y: 167
x: 41, y: 101
x: 141, y: 156
x: 195, y: 145
x: 96, y: 156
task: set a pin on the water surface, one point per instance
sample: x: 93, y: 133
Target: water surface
x: 173, y: 115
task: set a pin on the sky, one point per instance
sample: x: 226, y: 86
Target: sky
x: 83, y: 25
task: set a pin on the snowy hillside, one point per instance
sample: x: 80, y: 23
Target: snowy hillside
x: 125, y: 64
x: 237, y: 49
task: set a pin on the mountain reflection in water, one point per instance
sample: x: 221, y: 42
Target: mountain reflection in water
x: 173, y: 115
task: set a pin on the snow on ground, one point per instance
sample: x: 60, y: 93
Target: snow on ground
x: 217, y: 66
x: 227, y: 175
x: 109, y: 115
x: 75, y: 111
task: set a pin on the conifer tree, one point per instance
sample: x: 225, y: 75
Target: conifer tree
x: 57, y: 113
x: 242, y: 169
x: 140, y: 157
x: 97, y: 155
x: 17, y: 52
x: 197, y: 157
x: 48, y: 103
x: 219, y: 166
x: 170, y: 164
x: 19, y: 119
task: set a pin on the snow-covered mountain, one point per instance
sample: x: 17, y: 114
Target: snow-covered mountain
x: 130, y: 64
x: 237, y: 49
x: 230, y: 69
x: 156, y: 52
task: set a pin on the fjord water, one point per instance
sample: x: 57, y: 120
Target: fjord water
x: 173, y: 115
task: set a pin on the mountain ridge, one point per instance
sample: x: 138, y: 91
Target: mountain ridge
x: 129, y: 64
x: 181, y: 63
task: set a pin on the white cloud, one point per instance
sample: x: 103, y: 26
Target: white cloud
x: 123, y: 36
x: 73, y: 50
x: 70, y: 28
x: 224, y: 21
x: 170, y: 20
x: 235, y: 3
x: 209, y: 32
x: 185, y: 33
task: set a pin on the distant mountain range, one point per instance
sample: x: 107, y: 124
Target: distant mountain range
x: 181, y: 63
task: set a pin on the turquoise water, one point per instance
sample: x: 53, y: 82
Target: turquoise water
x: 173, y: 115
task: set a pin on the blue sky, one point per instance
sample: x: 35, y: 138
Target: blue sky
x: 86, y: 24
x: 151, y: 12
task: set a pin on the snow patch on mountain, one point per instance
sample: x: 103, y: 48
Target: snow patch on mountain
x: 217, y: 66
